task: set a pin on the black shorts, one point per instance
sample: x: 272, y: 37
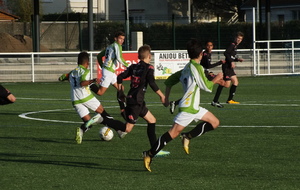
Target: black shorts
x: 134, y: 111
x: 4, y: 92
x: 228, y: 72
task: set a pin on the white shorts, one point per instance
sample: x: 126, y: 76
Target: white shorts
x: 83, y: 109
x: 107, y: 78
x: 184, y: 118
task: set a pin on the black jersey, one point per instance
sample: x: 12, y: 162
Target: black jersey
x: 141, y: 75
x: 230, y: 54
x: 206, y: 61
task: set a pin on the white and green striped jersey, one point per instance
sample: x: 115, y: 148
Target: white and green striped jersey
x: 193, y: 79
x: 80, y: 94
x: 113, y: 55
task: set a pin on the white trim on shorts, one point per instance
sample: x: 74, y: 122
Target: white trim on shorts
x: 83, y: 108
x: 184, y: 118
x: 107, y: 78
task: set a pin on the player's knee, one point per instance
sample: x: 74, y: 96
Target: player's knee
x: 215, y: 123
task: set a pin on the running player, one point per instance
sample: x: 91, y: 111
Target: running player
x: 193, y: 79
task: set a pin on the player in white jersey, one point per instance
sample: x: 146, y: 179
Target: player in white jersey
x: 83, y: 99
x: 113, y: 55
x: 193, y: 79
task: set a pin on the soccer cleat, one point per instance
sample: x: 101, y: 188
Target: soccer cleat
x: 121, y: 134
x: 79, y: 134
x: 147, y: 160
x: 162, y: 153
x: 96, y: 119
x: 172, y: 106
x: 217, y: 104
x: 185, y: 142
x: 232, y: 102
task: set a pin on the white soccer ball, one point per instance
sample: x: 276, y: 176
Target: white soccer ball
x: 106, y: 133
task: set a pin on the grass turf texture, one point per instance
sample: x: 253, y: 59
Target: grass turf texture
x: 255, y: 147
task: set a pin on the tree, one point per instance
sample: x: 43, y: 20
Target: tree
x: 215, y: 7
x: 22, y: 8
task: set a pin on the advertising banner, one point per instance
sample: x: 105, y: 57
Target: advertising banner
x: 167, y: 63
x: 130, y: 58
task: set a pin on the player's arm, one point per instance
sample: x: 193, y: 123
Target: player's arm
x: 200, y: 78
x: 64, y: 77
x: 173, y: 79
x: 119, y: 56
x: 99, y: 57
x: 153, y: 85
x: 120, y: 79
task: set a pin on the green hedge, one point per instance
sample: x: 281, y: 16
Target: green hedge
x: 160, y: 35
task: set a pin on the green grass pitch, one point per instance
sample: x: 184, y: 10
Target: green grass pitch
x: 255, y: 147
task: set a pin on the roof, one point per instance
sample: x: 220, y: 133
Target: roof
x: 273, y: 3
x: 4, y: 16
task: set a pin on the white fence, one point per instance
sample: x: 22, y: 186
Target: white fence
x: 47, y: 67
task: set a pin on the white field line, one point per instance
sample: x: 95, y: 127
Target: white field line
x: 25, y: 115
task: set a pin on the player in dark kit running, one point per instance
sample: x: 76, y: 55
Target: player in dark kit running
x: 142, y: 75
x: 6, y: 97
x: 228, y: 71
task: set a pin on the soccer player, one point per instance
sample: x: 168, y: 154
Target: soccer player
x: 228, y: 72
x: 6, y: 97
x: 113, y: 55
x: 142, y: 75
x: 83, y: 99
x: 206, y: 63
x: 193, y: 79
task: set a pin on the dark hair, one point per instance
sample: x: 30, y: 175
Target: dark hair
x: 206, y: 42
x: 144, y: 51
x: 119, y: 33
x: 239, y: 34
x: 82, y: 57
x: 194, y: 48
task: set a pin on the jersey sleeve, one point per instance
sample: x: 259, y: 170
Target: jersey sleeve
x: 173, y: 79
x: 151, y: 80
x: 124, y: 75
x: 99, y: 57
x: 200, y: 78
x: 119, y: 56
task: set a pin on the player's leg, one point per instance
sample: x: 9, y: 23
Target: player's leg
x: 232, y: 90
x: 209, y: 123
x: 160, y: 144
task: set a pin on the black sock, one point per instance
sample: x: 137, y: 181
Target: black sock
x: 121, y: 103
x: 4, y: 101
x: 110, y: 122
x: 151, y: 133
x: 94, y: 88
x: 177, y: 101
x: 160, y: 144
x: 232, y: 92
x: 199, y: 130
x: 218, y: 93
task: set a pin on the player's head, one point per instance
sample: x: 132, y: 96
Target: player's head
x: 239, y: 37
x: 83, y: 57
x: 194, y: 48
x: 144, y: 52
x: 209, y: 45
x: 120, y: 37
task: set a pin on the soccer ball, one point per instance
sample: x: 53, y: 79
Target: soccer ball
x: 106, y: 133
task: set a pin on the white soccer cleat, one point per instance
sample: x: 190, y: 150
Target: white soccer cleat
x: 121, y: 134
x: 96, y: 119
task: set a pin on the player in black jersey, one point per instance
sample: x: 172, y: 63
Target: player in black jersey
x: 6, y: 97
x: 228, y: 71
x: 142, y: 75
